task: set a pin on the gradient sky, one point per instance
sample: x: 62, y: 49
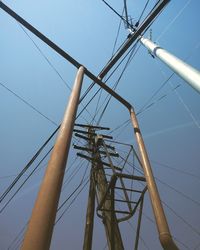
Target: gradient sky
x: 87, y: 29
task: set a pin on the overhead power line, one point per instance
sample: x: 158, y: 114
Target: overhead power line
x: 28, y: 104
x: 26, y: 179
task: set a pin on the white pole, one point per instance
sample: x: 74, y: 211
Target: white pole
x: 184, y: 70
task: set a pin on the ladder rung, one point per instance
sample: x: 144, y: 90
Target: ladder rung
x: 132, y: 202
x: 116, y: 211
x: 128, y: 189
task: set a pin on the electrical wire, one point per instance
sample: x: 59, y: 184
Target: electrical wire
x: 79, y: 185
x: 27, y: 166
x: 173, y: 20
x: 63, y: 213
x: 176, y: 169
x: 45, y: 57
x: 92, y: 84
x: 28, y: 104
x: 48, y: 61
x: 182, y: 219
x: 120, y: 16
x: 18, y: 237
x: 172, y: 210
x: 155, y: 93
x: 187, y: 109
x: 167, y: 185
x: 117, y: 36
x: 113, y: 51
x: 139, y: 19
x: 165, y: 95
x: 118, y: 80
x: 26, y: 179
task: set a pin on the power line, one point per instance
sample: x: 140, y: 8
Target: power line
x: 28, y: 104
x: 155, y: 93
x: 23, y: 183
x: 167, y: 185
x: 165, y: 95
x: 147, y: 2
x: 118, y: 80
x: 120, y: 16
x: 59, y: 218
x: 48, y: 60
x: 173, y: 20
x: 176, y: 169
x: 27, y: 165
x: 182, y: 219
x: 18, y: 239
x: 81, y: 182
x: 117, y: 36
x: 73, y: 174
x: 92, y: 85
x: 45, y: 57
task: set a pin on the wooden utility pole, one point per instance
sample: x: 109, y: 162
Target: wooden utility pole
x: 87, y: 245
x: 98, y: 179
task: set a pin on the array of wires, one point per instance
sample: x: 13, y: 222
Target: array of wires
x: 101, y: 107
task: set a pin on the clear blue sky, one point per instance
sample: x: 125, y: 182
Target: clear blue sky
x: 171, y: 126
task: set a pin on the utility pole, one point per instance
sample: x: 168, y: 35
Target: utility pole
x: 99, y: 185
x: 87, y: 245
x: 184, y: 70
x: 109, y: 218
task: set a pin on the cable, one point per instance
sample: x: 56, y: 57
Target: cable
x: 177, y: 191
x: 24, y: 227
x: 74, y: 173
x: 188, y: 224
x: 176, y: 170
x: 155, y: 93
x: 118, y: 30
x: 143, y: 11
x: 181, y: 218
x: 117, y: 82
x: 167, y: 185
x: 28, y: 104
x: 119, y: 126
x: 180, y: 98
x: 173, y: 20
x: 7, y: 203
x: 175, y: 238
x: 19, y: 235
x: 92, y: 84
x: 45, y: 57
x: 111, y: 57
x: 158, y: 100
x: 27, y: 165
x: 72, y: 202
x: 81, y: 182
x: 126, y: 21
x: 48, y: 61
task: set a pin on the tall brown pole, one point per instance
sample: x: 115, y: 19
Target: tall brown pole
x: 40, y: 228
x: 87, y: 245
x: 161, y: 221
x: 88, y: 236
